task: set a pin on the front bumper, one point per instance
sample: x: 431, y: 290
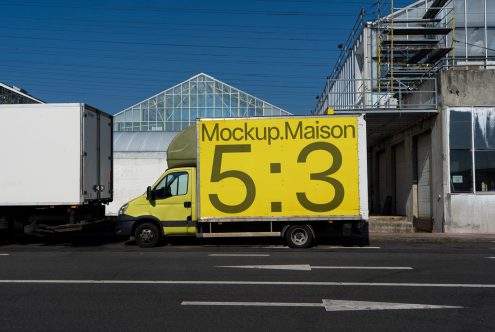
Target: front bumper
x: 125, y: 224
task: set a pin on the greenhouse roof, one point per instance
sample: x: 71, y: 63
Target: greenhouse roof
x: 201, y: 96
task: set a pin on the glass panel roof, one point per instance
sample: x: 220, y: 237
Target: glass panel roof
x: 200, y: 96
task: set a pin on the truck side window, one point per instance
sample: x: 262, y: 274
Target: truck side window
x: 174, y: 184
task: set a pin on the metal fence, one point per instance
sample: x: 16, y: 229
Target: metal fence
x: 370, y: 94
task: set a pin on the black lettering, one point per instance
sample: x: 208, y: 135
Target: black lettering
x: 247, y: 133
x: 226, y: 137
x: 353, y: 128
x: 291, y: 134
x: 214, y: 134
x: 309, y: 132
x: 325, y: 132
x: 237, y: 138
x: 337, y: 131
x: 272, y: 136
x: 257, y: 134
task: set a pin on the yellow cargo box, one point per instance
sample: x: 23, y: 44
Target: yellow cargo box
x: 282, y: 168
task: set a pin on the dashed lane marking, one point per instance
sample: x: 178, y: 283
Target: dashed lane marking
x: 329, y: 305
x: 337, y: 247
x: 239, y: 255
x: 307, y: 267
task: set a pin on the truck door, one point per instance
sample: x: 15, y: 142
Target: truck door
x: 173, y: 203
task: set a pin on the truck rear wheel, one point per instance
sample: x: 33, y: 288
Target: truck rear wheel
x: 299, y: 236
x: 147, y: 235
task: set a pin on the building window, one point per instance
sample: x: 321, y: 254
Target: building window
x: 472, y: 150
x: 461, y: 164
x: 484, y: 148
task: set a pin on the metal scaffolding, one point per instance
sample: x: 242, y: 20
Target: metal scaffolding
x: 391, y: 62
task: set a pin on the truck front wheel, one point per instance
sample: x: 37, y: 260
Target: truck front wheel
x: 299, y: 236
x: 147, y: 235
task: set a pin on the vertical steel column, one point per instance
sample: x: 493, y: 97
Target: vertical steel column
x: 486, y: 35
x: 465, y: 34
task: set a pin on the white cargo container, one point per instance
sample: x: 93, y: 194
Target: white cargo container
x: 56, y: 163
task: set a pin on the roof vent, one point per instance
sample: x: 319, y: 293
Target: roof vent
x: 16, y: 88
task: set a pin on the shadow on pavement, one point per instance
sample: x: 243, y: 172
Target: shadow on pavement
x: 91, y: 236
x: 103, y: 234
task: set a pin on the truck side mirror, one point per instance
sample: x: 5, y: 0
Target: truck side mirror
x: 150, y: 194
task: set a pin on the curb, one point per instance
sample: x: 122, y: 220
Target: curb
x: 432, y: 237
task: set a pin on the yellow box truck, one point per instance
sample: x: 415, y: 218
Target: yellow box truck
x: 292, y: 177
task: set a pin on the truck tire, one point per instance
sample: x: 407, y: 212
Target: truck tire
x: 299, y: 236
x: 147, y: 235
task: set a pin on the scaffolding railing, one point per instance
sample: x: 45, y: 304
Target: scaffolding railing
x: 363, y: 94
x: 414, y: 39
x: 392, y: 62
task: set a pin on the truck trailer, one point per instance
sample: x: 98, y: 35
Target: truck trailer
x: 293, y: 177
x: 56, y: 167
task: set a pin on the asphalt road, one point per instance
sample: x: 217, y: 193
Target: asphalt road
x: 102, y: 283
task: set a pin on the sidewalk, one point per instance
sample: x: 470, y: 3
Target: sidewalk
x: 432, y: 237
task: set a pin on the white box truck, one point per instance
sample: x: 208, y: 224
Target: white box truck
x: 292, y: 177
x: 55, y: 166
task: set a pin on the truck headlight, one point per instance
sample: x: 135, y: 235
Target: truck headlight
x: 123, y: 208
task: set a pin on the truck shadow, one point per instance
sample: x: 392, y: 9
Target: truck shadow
x: 104, y: 234
x: 91, y: 236
x: 248, y: 242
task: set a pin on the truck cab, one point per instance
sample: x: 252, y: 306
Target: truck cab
x: 167, y: 208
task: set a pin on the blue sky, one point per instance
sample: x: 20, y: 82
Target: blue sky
x: 113, y: 54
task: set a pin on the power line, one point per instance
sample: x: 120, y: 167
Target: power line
x: 474, y: 45
x: 89, y: 70
x: 180, y: 60
x: 170, y: 44
x: 141, y: 87
x: 154, y: 84
x: 175, y: 34
x: 172, y: 53
x: 195, y: 10
x: 146, y: 24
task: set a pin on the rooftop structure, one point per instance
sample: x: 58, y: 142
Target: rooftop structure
x: 200, y: 96
x: 15, y: 95
x: 385, y: 61
x: 423, y: 76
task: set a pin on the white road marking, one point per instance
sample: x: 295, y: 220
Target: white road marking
x: 490, y: 257
x: 4, y: 254
x: 329, y: 305
x: 337, y: 247
x: 363, y: 267
x: 270, y: 247
x: 319, y: 247
x: 243, y: 283
x: 303, y: 267
x: 239, y: 255
x: 254, y: 304
x: 307, y: 267
x: 339, y: 305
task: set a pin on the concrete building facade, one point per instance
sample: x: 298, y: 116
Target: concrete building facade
x: 440, y: 171
x: 428, y: 95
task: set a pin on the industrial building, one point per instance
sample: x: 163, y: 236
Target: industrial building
x: 424, y: 76
x: 144, y: 131
x: 15, y: 95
